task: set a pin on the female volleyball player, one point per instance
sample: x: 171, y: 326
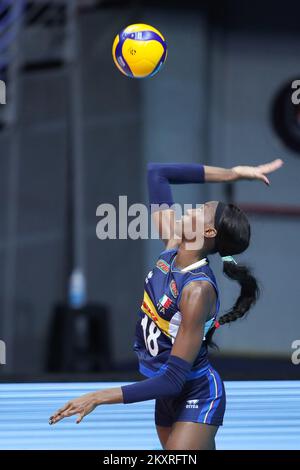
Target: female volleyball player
x: 178, y: 313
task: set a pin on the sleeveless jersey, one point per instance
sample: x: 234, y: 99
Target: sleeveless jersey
x: 159, y: 316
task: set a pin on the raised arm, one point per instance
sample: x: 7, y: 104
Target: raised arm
x: 161, y: 176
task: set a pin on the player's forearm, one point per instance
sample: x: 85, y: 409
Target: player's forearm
x: 214, y: 174
x: 161, y: 175
x: 166, y: 384
x: 109, y: 396
x: 169, y: 383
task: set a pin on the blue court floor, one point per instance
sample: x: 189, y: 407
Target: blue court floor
x: 260, y: 415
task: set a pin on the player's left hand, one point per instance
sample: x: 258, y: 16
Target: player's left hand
x: 80, y: 406
x: 257, y: 172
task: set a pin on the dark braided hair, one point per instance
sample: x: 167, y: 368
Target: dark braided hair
x: 233, y: 237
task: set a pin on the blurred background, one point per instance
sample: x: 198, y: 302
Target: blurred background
x: 75, y: 133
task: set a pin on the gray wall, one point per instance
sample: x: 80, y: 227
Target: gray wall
x: 33, y: 251
x: 254, y: 66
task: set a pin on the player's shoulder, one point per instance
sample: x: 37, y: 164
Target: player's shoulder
x: 164, y: 260
x: 198, y: 288
x: 168, y: 254
x: 202, y: 276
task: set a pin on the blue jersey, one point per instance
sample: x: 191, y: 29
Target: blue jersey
x: 160, y: 316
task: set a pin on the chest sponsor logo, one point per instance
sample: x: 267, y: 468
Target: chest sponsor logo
x: 163, y: 266
x: 192, y: 404
x: 173, y: 288
x: 146, y: 307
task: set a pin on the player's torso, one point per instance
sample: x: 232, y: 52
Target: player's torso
x: 160, y: 316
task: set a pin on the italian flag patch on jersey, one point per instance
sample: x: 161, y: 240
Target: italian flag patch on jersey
x: 165, y: 301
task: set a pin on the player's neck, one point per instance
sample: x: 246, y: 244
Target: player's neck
x: 187, y: 257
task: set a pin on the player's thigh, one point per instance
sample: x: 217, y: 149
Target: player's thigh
x: 191, y: 436
x: 163, y: 433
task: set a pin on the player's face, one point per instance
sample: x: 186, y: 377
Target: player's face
x: 198, y: 223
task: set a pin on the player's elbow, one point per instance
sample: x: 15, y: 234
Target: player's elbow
x: 155, y: 175
x: 151, y: 166
x: 152, y: 170
x: 172, y: 390
x: 175, y: 383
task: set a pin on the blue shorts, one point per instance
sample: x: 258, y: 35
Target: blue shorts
x: 202, y: 400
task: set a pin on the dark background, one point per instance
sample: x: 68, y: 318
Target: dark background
x: 211, y: 103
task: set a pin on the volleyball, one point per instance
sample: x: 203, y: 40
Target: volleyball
x: 139, y: 51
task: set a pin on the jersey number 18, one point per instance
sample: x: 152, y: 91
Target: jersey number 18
x: 152, y: 336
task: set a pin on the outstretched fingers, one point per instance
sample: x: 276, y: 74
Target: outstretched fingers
x: 272, y: 166
x: 80, y: 417
x: 262, y: 177
x: 64, y: 412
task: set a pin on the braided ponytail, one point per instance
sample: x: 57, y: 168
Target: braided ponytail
x: 233, y: 237
x: 248, y: 295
